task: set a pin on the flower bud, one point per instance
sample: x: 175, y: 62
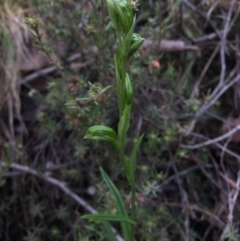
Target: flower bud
x: 136, y: 42
x: 121, y: 14
x: 32, y: 22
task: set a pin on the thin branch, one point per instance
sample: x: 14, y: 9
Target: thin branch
x: 48, y: 70
x: 232, y: 199
x: 217, y: 96
x: 185, y: 203
x: 223, y: 148
x: 37, y: 74
x: 182, y: 173
x: 230, y: 181
x: 223, y: 48
x: 196, y: 10
x: 207, y: 37
x: 204, y: 71
x: 210, y: 103
x: 218, y: 221
x: 212, y: 141
x: 221, y: 87
x: 213, y: 100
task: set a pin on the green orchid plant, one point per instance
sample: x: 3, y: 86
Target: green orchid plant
x: 123, y: 21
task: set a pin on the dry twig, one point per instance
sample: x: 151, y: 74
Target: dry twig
x: 232, y: 199
x: 212, y: 141
x: 222, y: 86
x: 223, y: 49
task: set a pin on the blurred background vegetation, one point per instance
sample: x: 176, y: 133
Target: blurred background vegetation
x: 186, y: 84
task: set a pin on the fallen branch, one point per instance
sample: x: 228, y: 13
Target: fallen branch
x: 169, y: 46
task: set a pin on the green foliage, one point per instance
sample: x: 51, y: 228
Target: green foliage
x: 123, y: 21
x: 232, y: 234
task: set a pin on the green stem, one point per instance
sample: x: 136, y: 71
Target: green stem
x: 123, y: 159
x: 121, y: 99
x: 133, y: 207
x: 124, y: 64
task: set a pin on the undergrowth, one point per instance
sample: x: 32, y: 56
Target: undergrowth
x: 186, y: 94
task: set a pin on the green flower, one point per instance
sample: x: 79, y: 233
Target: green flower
x: 135, y: 44
x: 102, y: 133
x: 121, y: 15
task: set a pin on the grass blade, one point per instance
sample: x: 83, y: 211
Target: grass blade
x: 121, y: 208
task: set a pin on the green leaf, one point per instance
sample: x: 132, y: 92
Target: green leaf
x: 124, y: 124
x: 108, y: 217
x: 133, y: 158
x: 102, y: 133
x: 105, y: 89
x: 121, y: 208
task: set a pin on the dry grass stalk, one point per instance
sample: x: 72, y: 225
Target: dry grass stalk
x: 14, y: 35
